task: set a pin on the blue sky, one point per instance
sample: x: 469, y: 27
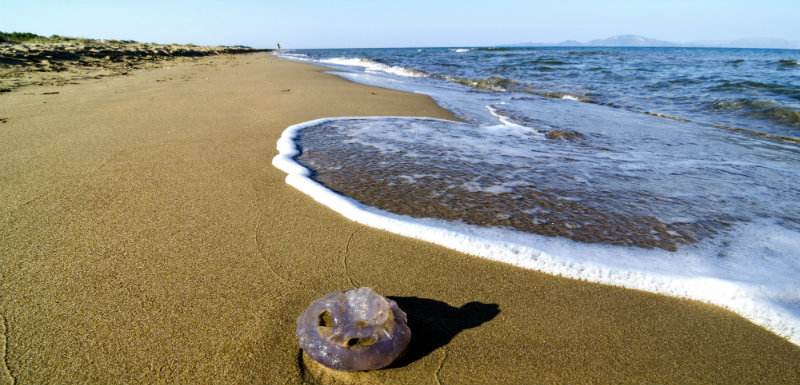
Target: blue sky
x: 407, y: 23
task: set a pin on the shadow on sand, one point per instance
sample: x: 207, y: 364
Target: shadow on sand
x: 434, y: 323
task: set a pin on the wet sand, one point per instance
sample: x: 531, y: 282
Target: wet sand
x: 146, y: 238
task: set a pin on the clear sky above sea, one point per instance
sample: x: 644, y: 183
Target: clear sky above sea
x: 407, y: 23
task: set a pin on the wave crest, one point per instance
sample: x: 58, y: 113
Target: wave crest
x: 370, y: 65
x: 780, y: 114
x: 493, y: 83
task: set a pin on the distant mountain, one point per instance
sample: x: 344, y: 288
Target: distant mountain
x: 630, y: 41
x: 641, y: 41
x: 570, y: 43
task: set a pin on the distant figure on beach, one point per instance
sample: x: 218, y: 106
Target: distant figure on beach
x: 279, y: 46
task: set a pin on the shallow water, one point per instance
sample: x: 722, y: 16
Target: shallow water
x: 581, y: 187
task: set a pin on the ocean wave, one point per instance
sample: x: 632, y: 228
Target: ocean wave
x: 546, y: 61
x: 286, y: 54
x: 586, y: 53
x: 501, y: 84
x: 761, y: 109
x: 460, y: 50
x: 740, y: 104
x: 370, y: 65
x: 786, y: 116
x: 749, y: 85
x: 367, y: 64
x: 559, y: 95
x: 494, y: 49
x: 789, y: 63
x: 493, y: 83
x: 505, y: 119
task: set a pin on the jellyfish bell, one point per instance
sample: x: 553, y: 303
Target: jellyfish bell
x: 353, y: 330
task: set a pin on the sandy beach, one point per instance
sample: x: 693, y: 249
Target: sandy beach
x: 145, y: 237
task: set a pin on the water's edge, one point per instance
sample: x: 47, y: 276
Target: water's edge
x: 524, y: 251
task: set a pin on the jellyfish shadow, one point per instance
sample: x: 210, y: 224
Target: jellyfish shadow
x: 434, y: 323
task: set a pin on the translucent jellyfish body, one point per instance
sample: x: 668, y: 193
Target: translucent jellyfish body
x: 353, y: 330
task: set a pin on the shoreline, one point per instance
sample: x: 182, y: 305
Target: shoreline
x: 149, y: 239
x: 525, y: 250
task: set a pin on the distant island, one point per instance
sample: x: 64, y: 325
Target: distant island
x: 641, y: 41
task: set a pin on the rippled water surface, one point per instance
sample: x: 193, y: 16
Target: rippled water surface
x: 754, y: 89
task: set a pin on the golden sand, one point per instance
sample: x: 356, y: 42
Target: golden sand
x: 146, y: 238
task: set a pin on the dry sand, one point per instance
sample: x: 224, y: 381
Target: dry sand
x: 146, y: 238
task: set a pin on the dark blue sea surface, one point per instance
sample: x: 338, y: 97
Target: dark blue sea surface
x: 751, y: 89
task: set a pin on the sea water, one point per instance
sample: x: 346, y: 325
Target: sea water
x: 669, y: 170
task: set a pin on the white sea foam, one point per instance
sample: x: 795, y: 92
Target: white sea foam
x: 757, y: 278
x: 461, y: 50
x: 504, y: 119
x: 366, y: 64
x: 370, y: 65
x: 291, y: 55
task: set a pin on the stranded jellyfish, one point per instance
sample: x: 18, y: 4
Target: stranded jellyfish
x: 353, y: 330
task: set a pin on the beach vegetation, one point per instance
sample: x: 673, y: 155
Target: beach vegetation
x: 32, y: 38
x: 27, y: 37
